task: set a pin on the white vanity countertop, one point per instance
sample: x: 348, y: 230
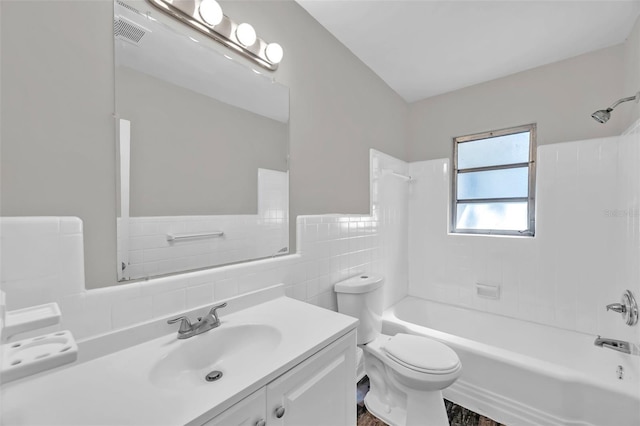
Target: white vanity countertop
x: 120, y: 388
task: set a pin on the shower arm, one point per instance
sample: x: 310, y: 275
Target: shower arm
x: 619, y: 101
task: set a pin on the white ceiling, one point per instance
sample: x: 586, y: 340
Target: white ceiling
x: 425, y: 48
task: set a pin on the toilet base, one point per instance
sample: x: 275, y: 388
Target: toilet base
x: 395, y: 416
x: 420, y: 409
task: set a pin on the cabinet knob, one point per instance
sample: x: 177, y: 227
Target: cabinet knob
x: 279, y: 412
x: 261, y: 422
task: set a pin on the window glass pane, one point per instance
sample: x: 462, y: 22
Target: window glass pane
x: 496, y: 216
x: 504, y: 183
x: 509, y: 149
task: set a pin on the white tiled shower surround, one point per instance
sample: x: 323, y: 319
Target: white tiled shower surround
x: 586, y: 251
x: 389, y: 204
x: 245, y: 236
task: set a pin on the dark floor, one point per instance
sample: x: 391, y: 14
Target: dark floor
x: 458, y: 416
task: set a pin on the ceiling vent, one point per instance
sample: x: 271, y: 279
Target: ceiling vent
x: 126, y: 6
x: 125, y: 23
x: 125, y: 29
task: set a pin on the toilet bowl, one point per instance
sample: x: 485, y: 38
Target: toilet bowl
x: 403, y: 393
x: 406, y: 372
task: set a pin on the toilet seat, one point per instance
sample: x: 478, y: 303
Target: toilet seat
x: 421, y: 354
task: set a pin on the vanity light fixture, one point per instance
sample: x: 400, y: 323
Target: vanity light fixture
x: 245, y: 34
x: 206, y: 16
x: 211, y: 12
x: 274, y: 52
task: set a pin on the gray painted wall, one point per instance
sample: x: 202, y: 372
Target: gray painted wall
x: 58, y: 133
x: 559, y: 97
x: 632, y: 72
x: 192, y: 154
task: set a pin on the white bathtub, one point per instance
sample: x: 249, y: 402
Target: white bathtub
x: 522, y: 373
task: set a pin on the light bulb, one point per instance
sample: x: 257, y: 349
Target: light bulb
x: 245, y: 34
x: 211, y: 12
x: 274, y: 53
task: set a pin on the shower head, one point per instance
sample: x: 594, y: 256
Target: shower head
x: 603, y: 115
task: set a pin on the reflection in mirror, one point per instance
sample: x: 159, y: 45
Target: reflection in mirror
x: 202, y: 147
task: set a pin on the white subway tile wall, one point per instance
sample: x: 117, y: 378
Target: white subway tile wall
x: 245, y: 236
x: 42, y: 259
x: 585, y: 253
x: 332, y: 248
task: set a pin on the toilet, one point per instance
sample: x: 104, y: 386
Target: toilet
x: 406, y: 372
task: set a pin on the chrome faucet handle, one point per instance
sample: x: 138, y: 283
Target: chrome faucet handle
x: 617, y: 307
x: 185, y: 324
x: 214, y: 312
x: 627, y: 307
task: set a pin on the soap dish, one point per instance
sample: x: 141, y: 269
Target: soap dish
x: 30, y: 356
x: 30, y: 318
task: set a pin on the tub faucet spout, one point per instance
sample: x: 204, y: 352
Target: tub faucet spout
x: 616, y: 345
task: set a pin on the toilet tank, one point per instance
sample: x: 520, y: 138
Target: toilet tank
x: 361, y: 297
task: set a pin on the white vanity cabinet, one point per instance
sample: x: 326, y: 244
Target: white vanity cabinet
x: 319, y: 391
x: 248, y: 412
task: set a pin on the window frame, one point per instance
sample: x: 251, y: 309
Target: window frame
x: 530, y: 199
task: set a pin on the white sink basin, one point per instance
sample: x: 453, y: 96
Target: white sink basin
x: 229, y: 349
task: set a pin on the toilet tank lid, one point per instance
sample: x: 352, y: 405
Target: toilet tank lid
x: 359, y: 284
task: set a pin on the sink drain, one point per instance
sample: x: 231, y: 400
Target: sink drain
x: 213, y: 376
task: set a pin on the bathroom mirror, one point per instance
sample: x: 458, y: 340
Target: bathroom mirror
x: 202, y: 146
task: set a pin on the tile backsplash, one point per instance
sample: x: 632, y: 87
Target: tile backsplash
x: 42, y: 259
x: 331, y: 248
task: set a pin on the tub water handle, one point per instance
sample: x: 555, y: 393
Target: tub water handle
x: 617, y: 307
x: 627, y: 307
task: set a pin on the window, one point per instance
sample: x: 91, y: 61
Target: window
x: 494, y: 182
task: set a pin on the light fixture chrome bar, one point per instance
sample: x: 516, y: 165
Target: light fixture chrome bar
x: 188, y: 12
x: 177, y: 237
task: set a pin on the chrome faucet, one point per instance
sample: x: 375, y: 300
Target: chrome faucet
x: 206, y: 323
x: 616, y: 345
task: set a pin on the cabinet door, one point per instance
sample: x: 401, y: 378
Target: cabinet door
x: 320, y: 391
x: 248, y: 412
